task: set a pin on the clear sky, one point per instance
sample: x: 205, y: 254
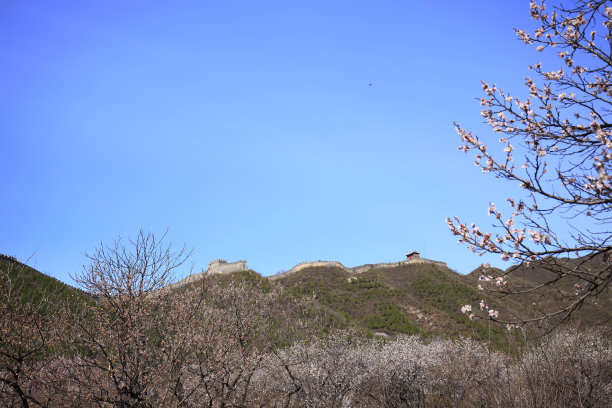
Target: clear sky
x: 271, y: 131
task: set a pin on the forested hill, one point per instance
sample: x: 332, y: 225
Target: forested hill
x: 417, y: 298
x: 427, y: 299
x: 34, y: 285
x: 540, y: 297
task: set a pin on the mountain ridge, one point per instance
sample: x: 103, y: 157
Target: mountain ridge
x: 418, y: 296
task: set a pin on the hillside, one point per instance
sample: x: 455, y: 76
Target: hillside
x: 34, y: 285
x: 249, y: 340
x: 412, y: 299
x: 424, y: 298
x: 549, y: 298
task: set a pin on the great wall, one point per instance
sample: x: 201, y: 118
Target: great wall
x: 218, y: 266
x: 357, y: 269
x: 222, y: 267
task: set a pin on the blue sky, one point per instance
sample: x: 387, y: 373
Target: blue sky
x: 249, y: 130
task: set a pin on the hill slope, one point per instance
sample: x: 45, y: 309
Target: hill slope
x: 34, y: 285
x: 391, y: 299
x: 423, y: 298
x: 413, y: 298
x: 551, y: 298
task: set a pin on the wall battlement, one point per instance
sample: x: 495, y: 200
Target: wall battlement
x: 220, y: 266
x: 356, y: 269
x: 312, y: 264
x: 416, y: 260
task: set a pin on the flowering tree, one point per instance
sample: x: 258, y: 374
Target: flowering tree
x: 116, y: 338
x: 29, y: 333
x: 146, y: 343
x: 556, y: 143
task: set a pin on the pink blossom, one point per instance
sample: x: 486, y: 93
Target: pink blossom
x: 492, y: 208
